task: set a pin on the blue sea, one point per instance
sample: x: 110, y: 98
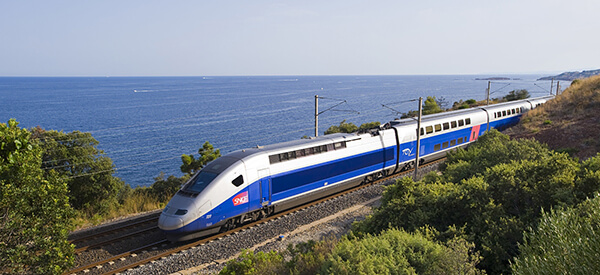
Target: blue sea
x: 145, y: 124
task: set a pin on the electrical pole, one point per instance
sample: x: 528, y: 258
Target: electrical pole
x: 418, y: 137
x: 557, y: 87
x: 488, y: 92
x: 551, y: 86
x: 316, y: 115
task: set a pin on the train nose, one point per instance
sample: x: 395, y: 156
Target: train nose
x: 169, y: 222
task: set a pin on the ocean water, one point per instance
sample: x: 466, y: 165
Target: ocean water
x: 145, y: 124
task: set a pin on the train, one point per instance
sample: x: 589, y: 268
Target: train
x: 253, y: 183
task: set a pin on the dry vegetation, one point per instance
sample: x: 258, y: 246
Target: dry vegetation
x: 569, y: 123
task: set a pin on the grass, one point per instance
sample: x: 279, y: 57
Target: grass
x: 137, y: 202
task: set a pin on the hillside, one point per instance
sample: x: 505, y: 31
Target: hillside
x: 569, y: 123
x: 570, y: 76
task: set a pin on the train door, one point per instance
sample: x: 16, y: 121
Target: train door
x: 265, y: 186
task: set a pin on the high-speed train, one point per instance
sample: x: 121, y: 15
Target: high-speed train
x: 252, y: 183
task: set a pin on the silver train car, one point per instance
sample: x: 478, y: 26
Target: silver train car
x: 250, y: 184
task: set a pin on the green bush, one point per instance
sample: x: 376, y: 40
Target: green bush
x: 492, y: 192
x: 34, y: 208
x: 88, y: 171
x: 564, y: 242
x: 398, y: 252
x: 255, y: 263
x: 163, y: 189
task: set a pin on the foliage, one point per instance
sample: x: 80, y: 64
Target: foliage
x: 34, y: 208
x: 207, y: 154
x: 564, y: 242
x: 308, y: 258
x: 492, y: 192
x: 88, y: 171
x: 255, y: 263
x: 430, y: 106
x: 369, y: 125
x: 349, y: 127
x: 398, y: 252
x: 163, y: 189
x: 344, y: 127
x: 304, y: 258
x: 517, y: 95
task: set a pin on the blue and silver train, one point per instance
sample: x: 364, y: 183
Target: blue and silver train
x: 252, y: 183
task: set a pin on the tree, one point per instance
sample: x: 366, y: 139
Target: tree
x: 399, y: 252
x: 34, y: 208
x: 342, y: 128
x: 88, y: 170
x: 430, y: 106
x: 163, y: 189
x: 350, y: 127
x: 207, y: 154
x: 564, y: 242
x: 517, y: 95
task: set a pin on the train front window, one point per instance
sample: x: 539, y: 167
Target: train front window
x: 200, y: 181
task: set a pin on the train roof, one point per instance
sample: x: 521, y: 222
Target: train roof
x: 243, y: 153
x: 400, y: 122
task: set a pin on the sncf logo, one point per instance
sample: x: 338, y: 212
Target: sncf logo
x: 240, y: 199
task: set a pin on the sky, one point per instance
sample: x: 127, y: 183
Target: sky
x: 259, y: 37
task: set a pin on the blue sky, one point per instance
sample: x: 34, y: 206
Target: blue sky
x: 196, y: 38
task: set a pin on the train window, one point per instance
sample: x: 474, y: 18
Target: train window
x: 274, y: 159
x: 317, y: 150
x: 438, y: 127
x: 292, y: 154
x: 453, y: 124
x: 499, y: 114
x: 460, y: 140
x: 460, y: 123
x: 518, y: 111
x: 238, y: 181
x: 437, y: 147
x: 453, y: 142
x: 446, y: 125
x: 521, y: 109
x: 339, y: 145
x: 503, y: 113
x: 199, y: 182
x: 429, y: 129
x: 422, y: 131
x: 300, y: 153
x: 284, y: 156
x: 324, y: 148
x: 513, y: 111
x: 329, y: 147
x: 467, y: 121
x: 495, y: 115
x: 445, y: 145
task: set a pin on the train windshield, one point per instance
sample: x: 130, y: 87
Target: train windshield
x: 200, y: 182
x: 208, y: 174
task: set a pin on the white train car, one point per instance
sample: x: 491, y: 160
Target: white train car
x: 252, y: 183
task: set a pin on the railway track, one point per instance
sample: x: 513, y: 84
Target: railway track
x: 151, y: 252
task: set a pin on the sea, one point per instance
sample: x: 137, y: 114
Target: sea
x: 145, y: 124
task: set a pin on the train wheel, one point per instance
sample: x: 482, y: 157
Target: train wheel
x: 229, y: 224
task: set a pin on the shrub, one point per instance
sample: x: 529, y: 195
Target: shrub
x: 492, y: 192
x: 564, y: 242
x: 255, y: 263
x: 398, y: 252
